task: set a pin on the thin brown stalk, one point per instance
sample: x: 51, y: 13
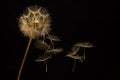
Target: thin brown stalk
x: 74, y: 65
x: 24, y: 58
x: 46, y: 65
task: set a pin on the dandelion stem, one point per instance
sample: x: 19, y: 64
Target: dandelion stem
x: 74, y: 65
x: 23, y: 61
x: 46, y: 65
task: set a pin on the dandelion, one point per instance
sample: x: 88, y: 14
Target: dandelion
x: 34, y: 23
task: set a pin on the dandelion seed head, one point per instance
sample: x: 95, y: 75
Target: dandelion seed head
x: 35, y: 22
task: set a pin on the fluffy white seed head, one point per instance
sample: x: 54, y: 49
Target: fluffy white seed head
x: 35, y: 22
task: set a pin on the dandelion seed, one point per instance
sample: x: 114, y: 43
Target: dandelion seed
x: 35, y: 23
x: 44, y: 57
x: 42, y: 45
x: 40, y: 59
x: 74, y: 50
x: 53, y: 38
x: 85, y: 45
x: 73, y: 53
x: 74, y: 57
x: 57, y: 50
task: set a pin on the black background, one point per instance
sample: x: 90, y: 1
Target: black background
x: 73, y: 21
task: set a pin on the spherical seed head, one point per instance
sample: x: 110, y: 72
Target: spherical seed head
x: 35, y: 23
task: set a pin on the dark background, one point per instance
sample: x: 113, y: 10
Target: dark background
x: 73, y: 21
